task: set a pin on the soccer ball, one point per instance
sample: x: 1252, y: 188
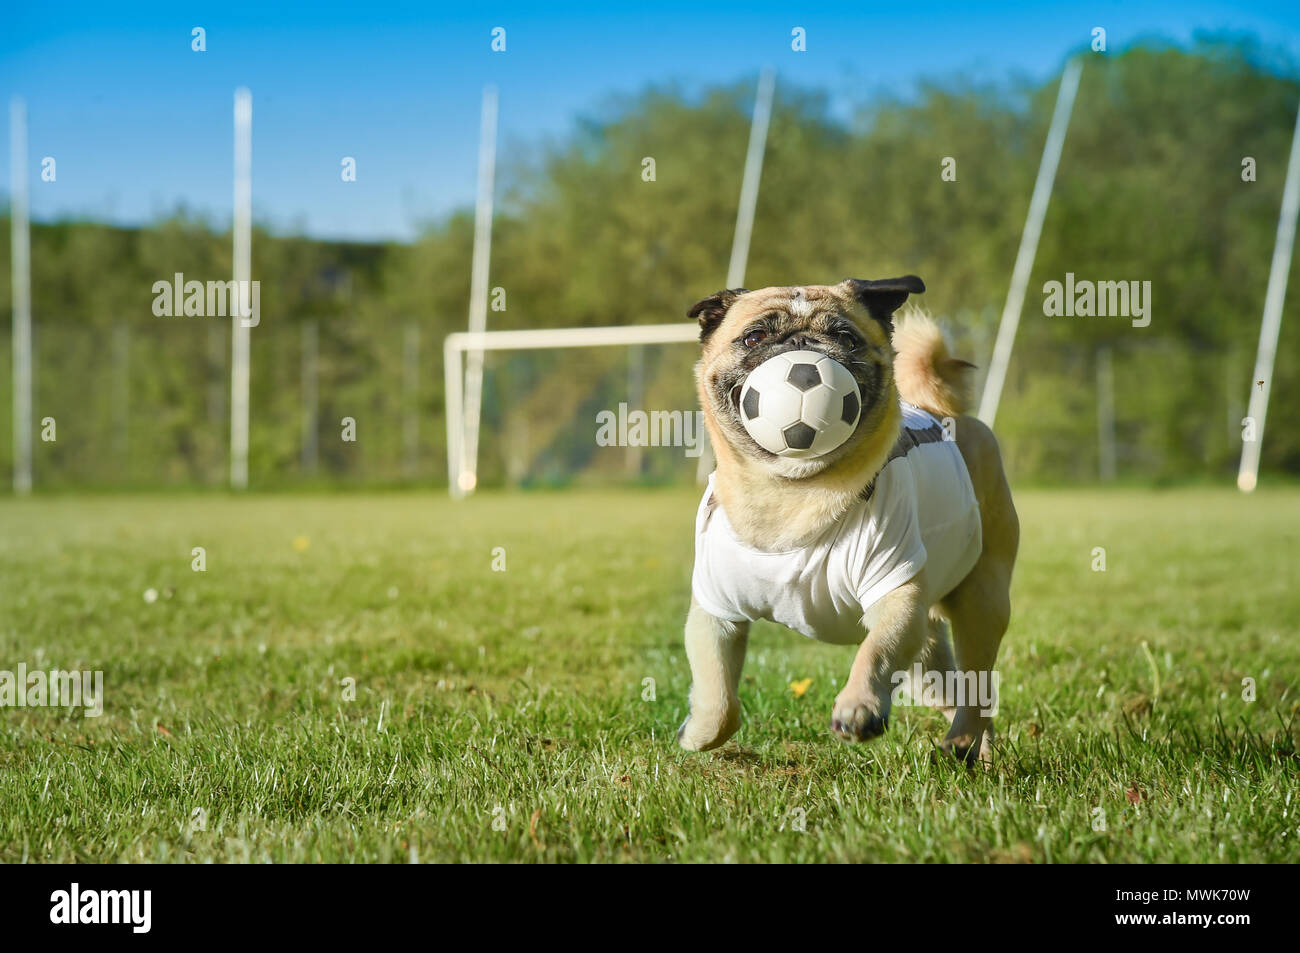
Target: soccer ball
x: 800, y: 404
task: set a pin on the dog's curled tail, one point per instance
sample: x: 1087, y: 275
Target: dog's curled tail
x: 926, y: 375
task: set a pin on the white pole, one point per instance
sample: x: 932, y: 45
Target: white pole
x: 20, y: 240
x: 1262, y: 380
x: 243, y: 244
x: 745, y: 213
x: 478, y: 293
x: 453, y: 396
x: 749, y: 183
x: 1029, y: 241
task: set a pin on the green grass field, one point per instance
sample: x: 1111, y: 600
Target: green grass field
x: 507, y: 716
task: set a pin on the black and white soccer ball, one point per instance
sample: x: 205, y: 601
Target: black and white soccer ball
x: 800, y: 404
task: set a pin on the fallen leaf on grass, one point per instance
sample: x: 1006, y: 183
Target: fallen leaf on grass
x: 1138, y: 706
x: 532, y: 827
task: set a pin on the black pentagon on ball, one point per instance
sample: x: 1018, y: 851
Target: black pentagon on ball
x: 799, y: 436
x: 750, y: 404
x: 850, y: 408
x: 804, y: 376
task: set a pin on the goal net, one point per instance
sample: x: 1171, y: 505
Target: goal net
x: 574, y: 406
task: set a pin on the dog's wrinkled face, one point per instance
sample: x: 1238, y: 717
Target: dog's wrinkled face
x: 849, y: 322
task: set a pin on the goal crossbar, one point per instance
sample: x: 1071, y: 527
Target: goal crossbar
x: 571, y: 337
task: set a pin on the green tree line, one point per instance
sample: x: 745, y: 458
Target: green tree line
x: 1150, y: 188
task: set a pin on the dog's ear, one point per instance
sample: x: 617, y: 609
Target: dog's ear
x: 713, y: 309
x: 882, y: 298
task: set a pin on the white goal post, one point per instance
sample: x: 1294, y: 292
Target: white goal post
x: 465, y: 383
x: 1051, y: 158
x: 1261, y: 381
x: 462, y: 468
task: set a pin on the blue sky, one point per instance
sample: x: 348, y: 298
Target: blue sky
x: 139, y: 124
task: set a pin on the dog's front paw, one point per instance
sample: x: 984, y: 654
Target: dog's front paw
x: 856, y: 717
x: 708, y: 730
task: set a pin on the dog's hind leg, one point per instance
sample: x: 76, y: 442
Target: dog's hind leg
x: 935, y: 660
x: 979, y: 608
x: 716, y: 652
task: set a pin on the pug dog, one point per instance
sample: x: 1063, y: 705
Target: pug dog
x: 904, y: 531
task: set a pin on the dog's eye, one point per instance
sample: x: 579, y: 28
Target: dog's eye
x: 848, y: 340
x: 755, y: 337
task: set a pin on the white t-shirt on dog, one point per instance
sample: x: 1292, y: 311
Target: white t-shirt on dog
x: 920, y: 512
